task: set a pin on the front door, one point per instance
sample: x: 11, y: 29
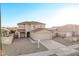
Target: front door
x: 28, y: 34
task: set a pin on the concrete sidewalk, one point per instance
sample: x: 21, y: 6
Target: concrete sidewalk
x: 43, y: 53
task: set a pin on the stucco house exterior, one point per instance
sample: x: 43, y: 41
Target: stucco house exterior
x: 24, y: 28
x: 66, y: 30
x: 41, y: 34
x: 6, y: 38
x: 4, y: 31
x: 69, y: 30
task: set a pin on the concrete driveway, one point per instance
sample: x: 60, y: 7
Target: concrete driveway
x: 58, y: 48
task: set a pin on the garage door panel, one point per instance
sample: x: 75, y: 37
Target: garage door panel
x: 22, y: 34
x: 43, y: 36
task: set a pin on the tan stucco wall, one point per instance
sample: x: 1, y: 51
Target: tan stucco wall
x: 7, y: 40
x: 31, y: 27
x: 43, y: 34
x: 21, y: 26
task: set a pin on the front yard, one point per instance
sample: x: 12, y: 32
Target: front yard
x: 22, y: 46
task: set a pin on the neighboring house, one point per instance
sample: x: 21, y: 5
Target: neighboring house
x: 68, y: 30
x: 6, y: 37
x: 54, y: 28
x: 4, y: 32
x: 41, y: 34
x: 69, y: 27
x: 24, y: 28
x: 12, y: 28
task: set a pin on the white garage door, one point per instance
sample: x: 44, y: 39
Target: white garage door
x: 42, y: 36
x: 22, y: 34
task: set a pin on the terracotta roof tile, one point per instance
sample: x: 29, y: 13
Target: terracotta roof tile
x: 30, y: 22
x: 69, y: 27
x: 39, y: 29
x: 21, y: 30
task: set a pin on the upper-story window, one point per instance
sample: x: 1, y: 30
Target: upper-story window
x: 21, y: 26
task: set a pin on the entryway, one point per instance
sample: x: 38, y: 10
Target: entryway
x: 28, y: 34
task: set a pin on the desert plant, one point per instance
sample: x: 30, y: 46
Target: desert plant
x: 12, y: 31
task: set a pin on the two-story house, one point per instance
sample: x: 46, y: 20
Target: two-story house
x: 24, y: 28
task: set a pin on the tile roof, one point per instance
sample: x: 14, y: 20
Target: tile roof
x: 4, y: 30
x: 30, y: 22
x: 39, y: 29
x: 21, y: 30
x: 69, y: 27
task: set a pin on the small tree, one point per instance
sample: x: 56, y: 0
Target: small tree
x: 12, y: 31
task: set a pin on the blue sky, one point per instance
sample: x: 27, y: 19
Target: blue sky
x: 51, y: 14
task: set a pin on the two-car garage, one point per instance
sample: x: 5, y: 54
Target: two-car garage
x: 41, y: 34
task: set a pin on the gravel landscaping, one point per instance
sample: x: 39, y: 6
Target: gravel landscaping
x: 22, y: 46
x: 64, y: 41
